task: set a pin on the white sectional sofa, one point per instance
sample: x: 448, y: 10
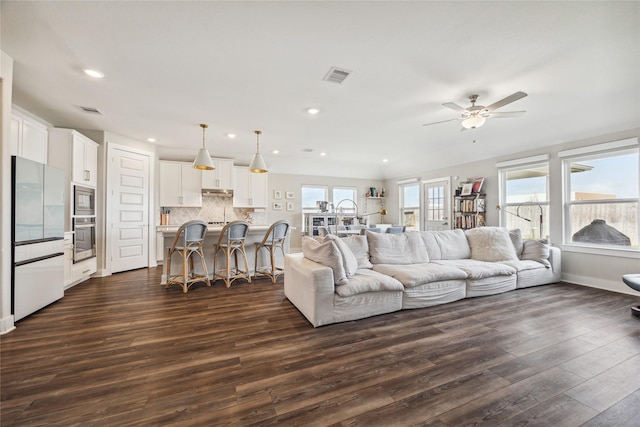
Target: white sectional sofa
x: 341, y: 279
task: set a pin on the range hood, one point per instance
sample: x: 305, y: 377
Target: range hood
x: 217, y: 192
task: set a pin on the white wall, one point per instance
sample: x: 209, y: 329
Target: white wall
x: 6, y: 83
x: 294, y: 183
x: 597, y: 270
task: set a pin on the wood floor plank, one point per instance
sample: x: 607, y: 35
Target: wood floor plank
x: 124, y: 351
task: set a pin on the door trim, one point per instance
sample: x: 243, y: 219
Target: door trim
x: 423, y: 210
x: 151, y: 235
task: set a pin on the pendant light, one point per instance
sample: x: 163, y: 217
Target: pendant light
x: 257, y: 164
x: 203, y: 160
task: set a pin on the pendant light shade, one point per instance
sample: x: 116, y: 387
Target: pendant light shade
x: 203, y: 160
x: 473, y: 122
x: 257, y: 163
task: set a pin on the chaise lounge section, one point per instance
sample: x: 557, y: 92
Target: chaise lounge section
x: 343, y: 279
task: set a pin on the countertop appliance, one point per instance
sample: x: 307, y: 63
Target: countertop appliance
x: 37, y: 233
x: 84, y: 201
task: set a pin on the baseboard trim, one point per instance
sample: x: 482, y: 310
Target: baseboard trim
x: 591, y: 282
x: 7, y: 325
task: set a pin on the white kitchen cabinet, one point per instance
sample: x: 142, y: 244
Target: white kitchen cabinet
x: 75, y: 153
x: 29, y: 139
x: 68, y: 259
x: 250, y: 189
x: 81, y: 271
x: 221, y: 178
x: 180, y: 185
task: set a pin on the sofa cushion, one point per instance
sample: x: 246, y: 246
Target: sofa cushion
x: 447, y: 244
x: 328, y: 254
x: 490, y: 244
x: 536, y: 250
x: 348, y: 258
x: 479, y: 269
x: 524, y: 265
x: 360, y: 248
x: 419, y: 274
x: 401, y: 248
x: 516, y: 238
x: 368, y: 281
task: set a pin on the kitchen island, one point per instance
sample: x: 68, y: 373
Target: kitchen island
x: 255, y: 235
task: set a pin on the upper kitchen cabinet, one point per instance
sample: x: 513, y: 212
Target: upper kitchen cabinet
x: 180, y: 184
x: 221, y: 178
x: 75, y: 153
x: 250, y: 190
x: 29, y: 139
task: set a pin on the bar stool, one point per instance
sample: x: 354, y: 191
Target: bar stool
x: 230, y: 242
x: 273, y: 239
x: 188, y: 241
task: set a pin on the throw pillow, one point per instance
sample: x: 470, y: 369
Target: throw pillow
x: 328, y: 254
x: 349, y: 259
x: 401, y: 248
x: 360, y: 248
x: 536, y: 250
x: 516, y: 239
x: 491, y: 244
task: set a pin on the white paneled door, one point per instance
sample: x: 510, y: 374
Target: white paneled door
x: 129, y: 210
x: 436, y: 196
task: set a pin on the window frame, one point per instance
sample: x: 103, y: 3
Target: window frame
x: 347, y: 207
x: 598, y: 151
x: 401, y: 208
x: 312, y: 209
x: 545, y: 206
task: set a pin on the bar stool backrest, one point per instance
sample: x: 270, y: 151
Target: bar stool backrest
x: 276, y: 233
x: 234, y: 232
x: 191, y: 233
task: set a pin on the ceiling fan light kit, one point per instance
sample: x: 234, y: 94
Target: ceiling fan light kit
x: 476, y: 115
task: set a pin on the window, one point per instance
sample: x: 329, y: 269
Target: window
x: 410, y: 205
x: 601, y: 197
x: 524, y: 197
x: 346, y: 194
x: 312, y: 194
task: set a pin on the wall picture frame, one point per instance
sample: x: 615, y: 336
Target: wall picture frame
x: 466, y: 189
x: 290, y: 195
x: 477, y: 185
x: 290, y: 206
x: 277, y: 206
x: 277, y: 194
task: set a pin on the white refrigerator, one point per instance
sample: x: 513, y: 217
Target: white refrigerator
x: 37, y: 218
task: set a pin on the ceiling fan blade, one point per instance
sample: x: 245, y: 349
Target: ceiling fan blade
x: 455, y: 107
x: 505, y: 114
x: 442, y: 121
x: 508, y: 100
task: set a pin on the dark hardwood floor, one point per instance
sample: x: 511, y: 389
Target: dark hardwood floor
x: 123, y: 351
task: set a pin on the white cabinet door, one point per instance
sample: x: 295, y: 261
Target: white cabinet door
x: 191, y: 186
x: 250, y: 189
x: 84, y: 160
x: 258, y: 190
x: 180, y: 185
x: 29, y: 139
x: 221, y: 177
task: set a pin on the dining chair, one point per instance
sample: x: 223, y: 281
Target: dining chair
x: 230, y: 243
x: 187, y: 244
x: 273, y: 239
x: 396, y: 229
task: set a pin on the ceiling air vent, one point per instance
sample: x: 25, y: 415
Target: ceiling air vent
x: 336, y: 75
x: 307, y: 150
x: 91, y: 110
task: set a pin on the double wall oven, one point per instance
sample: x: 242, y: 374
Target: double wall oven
x: 84, y: 223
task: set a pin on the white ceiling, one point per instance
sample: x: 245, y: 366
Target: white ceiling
x: 240, y: 66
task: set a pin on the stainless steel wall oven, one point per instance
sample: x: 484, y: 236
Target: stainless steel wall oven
x: 84, y: 238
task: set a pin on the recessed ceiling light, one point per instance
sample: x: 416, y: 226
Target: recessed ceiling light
x: 94, y: 73
x: 313, y: 111
x: 385, y: 160
x: 151, y: 139
x: 276, y: 151
x: 231, y: 135
x: 323, y: 154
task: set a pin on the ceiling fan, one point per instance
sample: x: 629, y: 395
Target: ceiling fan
x: 474, y: 116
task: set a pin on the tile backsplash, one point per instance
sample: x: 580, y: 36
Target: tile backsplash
x: 214, y: 209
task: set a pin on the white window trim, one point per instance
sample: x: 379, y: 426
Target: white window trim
x: 314, y: 209
x: 542, y: 160
x: 567, y: 156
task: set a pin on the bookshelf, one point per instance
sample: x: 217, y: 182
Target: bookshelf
x: 469, y: 211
